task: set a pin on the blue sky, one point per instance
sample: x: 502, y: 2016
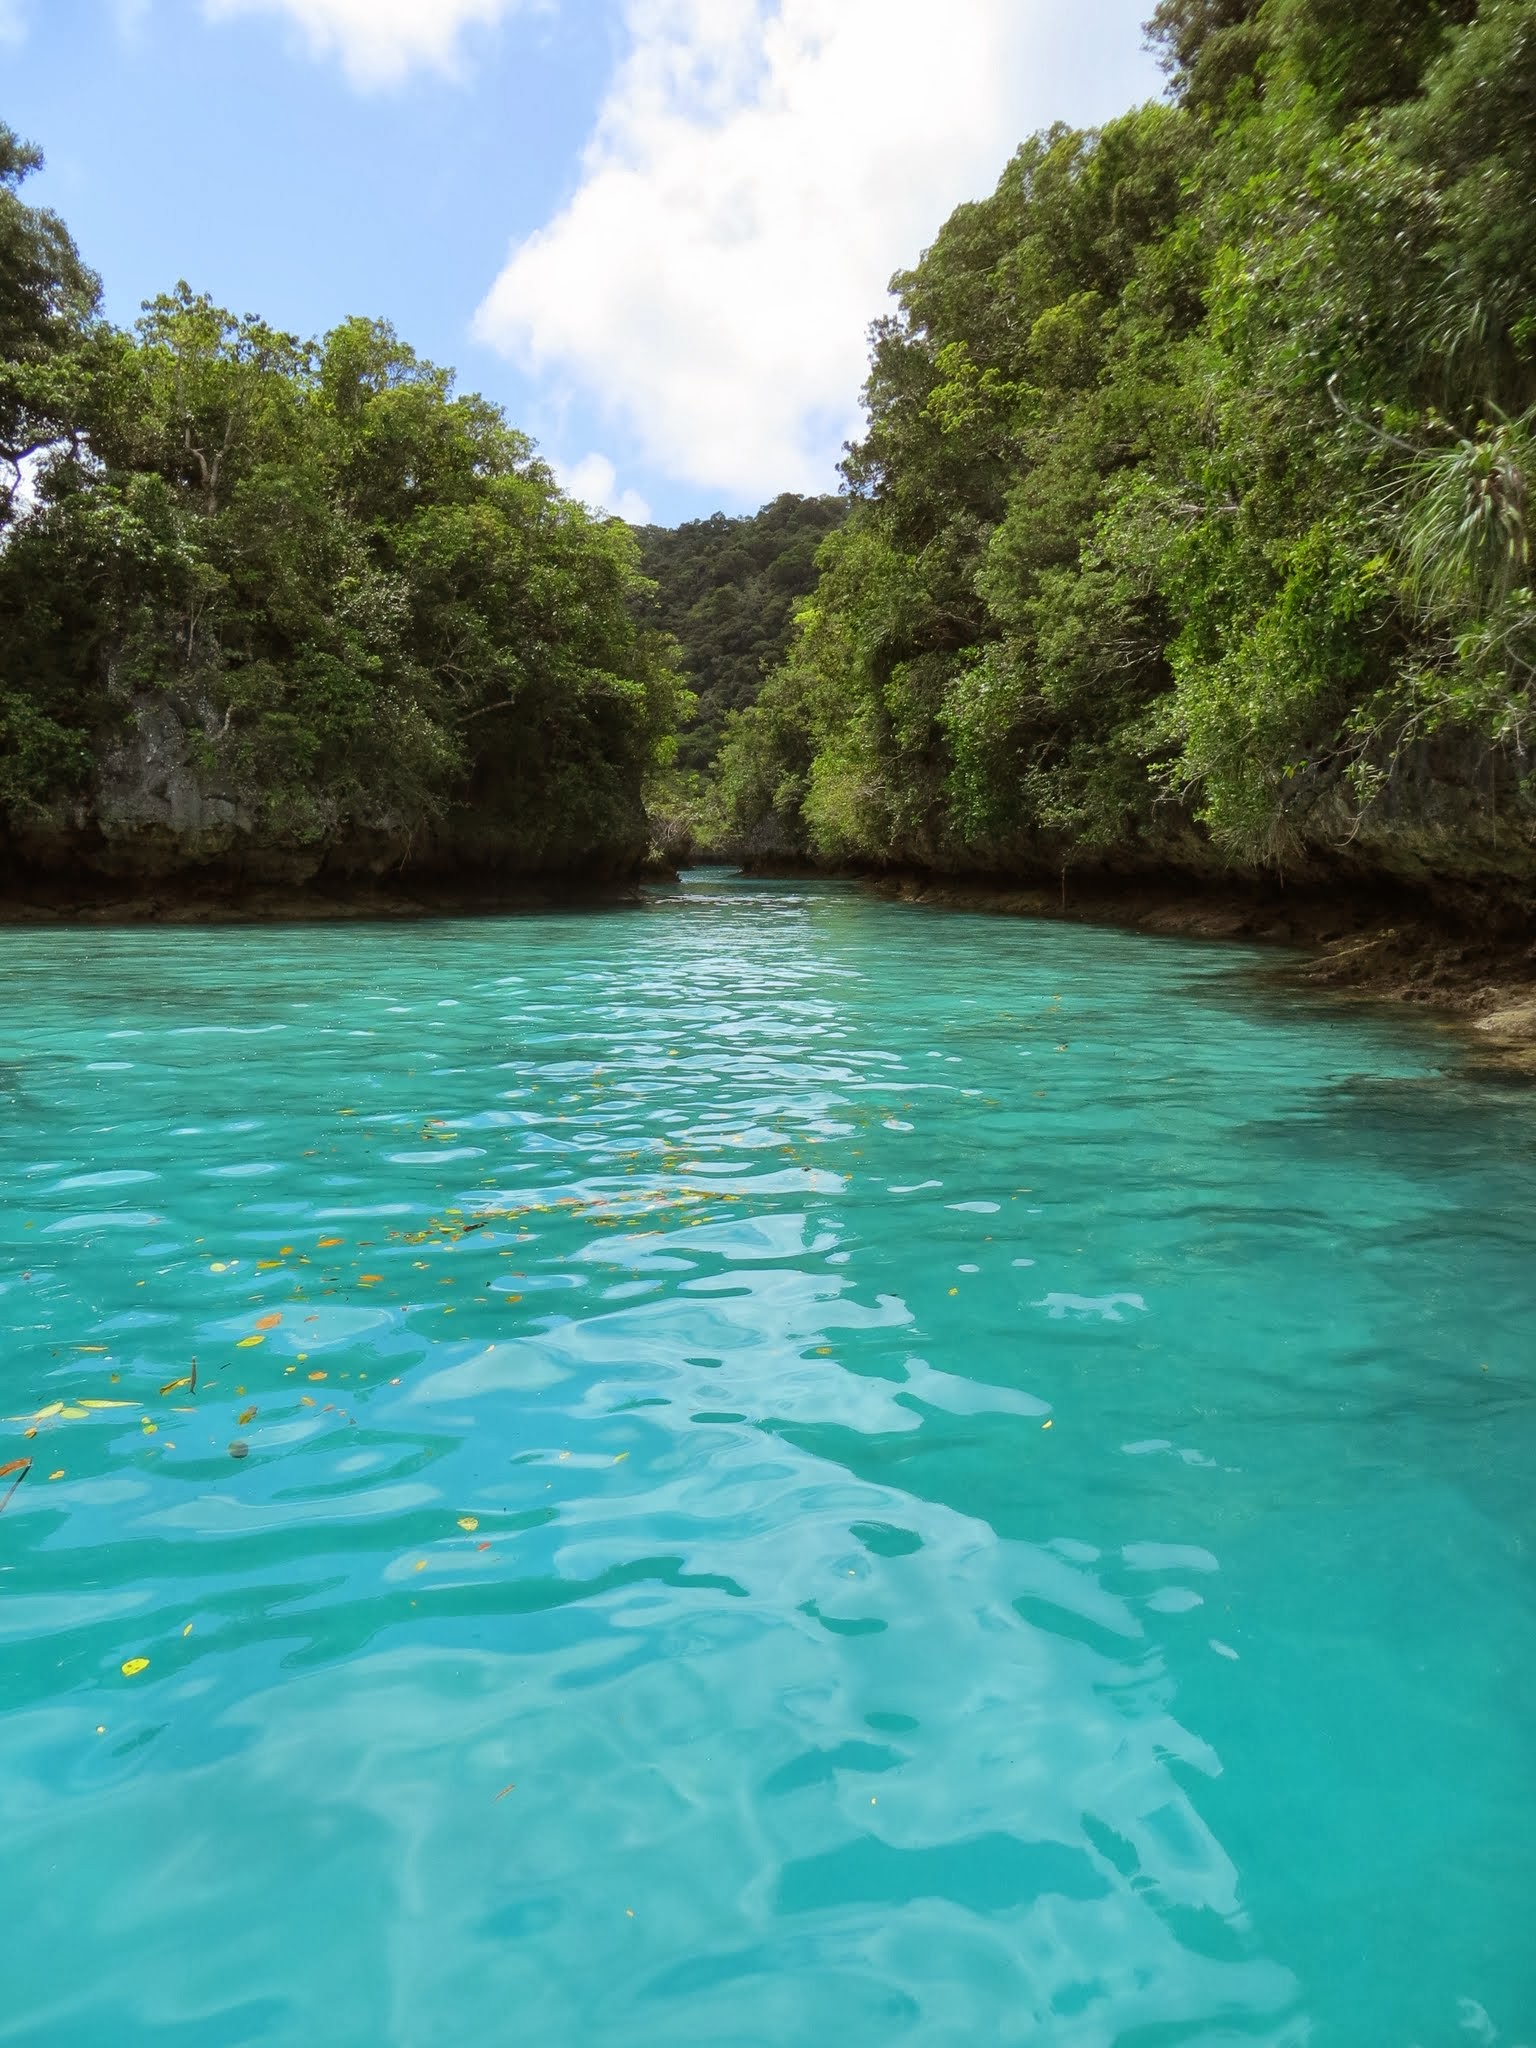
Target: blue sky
x: 655, y: 230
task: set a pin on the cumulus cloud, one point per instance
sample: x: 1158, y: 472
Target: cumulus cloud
x: 378, y: 41
x: 595, y: 481
x: 757, y: 171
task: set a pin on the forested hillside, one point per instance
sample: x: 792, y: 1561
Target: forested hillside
x: 1189, y: 534
x: 272, y: 609
x: 1191, y: 520
x: 727, y: 591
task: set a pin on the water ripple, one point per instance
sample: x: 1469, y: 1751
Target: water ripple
x: 673, y: 1489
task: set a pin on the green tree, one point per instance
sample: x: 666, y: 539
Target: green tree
x: 346, y: 607
x: 727, y: 590
x: 47, y: 299
x: 1191, y: 514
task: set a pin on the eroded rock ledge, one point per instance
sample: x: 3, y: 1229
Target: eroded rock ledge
x: 1477, y: 969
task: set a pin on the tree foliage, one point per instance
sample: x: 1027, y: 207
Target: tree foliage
x: 359, y: 597
x: 47, y: 299
x: 1193, y: 503
x: 727, y: 591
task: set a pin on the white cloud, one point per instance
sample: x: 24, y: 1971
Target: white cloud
x: 595, y: 481
x: 378, y: 41
x: 757, y: 171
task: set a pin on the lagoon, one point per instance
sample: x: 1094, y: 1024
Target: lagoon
x: 764, y: 1468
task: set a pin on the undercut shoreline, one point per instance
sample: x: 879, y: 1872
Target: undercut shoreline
x: 1472, y: 972
x: 1480, y: 976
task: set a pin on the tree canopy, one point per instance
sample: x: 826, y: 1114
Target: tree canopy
x: 47, y: 298
x: 727, y: 591
x: 353, y: 604
x: 1191, y: 516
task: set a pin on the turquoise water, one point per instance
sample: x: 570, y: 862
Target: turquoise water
x: 999, y: 1461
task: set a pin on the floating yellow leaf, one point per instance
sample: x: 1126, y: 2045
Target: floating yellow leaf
x: 175, y: 1386
x: 218, y: 1266
x: 326, y: 1243
x: 317, y: 1376
x: 469, y: 1522
x: 306, y: 1400
x: 246, y: 1415
x: 369, y: 1279
x: 421, y: 1564
x: 134, y: 1666
x: 149, y: 1428
x: 246, y: 1342
x: 1047, y: 1425
x: 268, y: 1265
x: 268, y: 1322
x: 91, y: 1347
x: 73, y: 1413
x: 621, y: 1457
x: 56, y: 1475
x: 106, y: 1404
x: 187, y: 1630
x: 46, y: 1414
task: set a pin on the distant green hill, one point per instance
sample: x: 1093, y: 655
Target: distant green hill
x: 727, y: 590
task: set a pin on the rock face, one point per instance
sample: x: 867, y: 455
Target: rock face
x: 163, y: 817
x: 1439, y: 840
x: 157, y: 809
x: 1513, y: 1026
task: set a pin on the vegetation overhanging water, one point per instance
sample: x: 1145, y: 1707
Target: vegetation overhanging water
x: 766, y: 1468
x: 1188, y: 534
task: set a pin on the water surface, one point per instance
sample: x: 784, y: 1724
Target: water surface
x: 815, y: 1473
